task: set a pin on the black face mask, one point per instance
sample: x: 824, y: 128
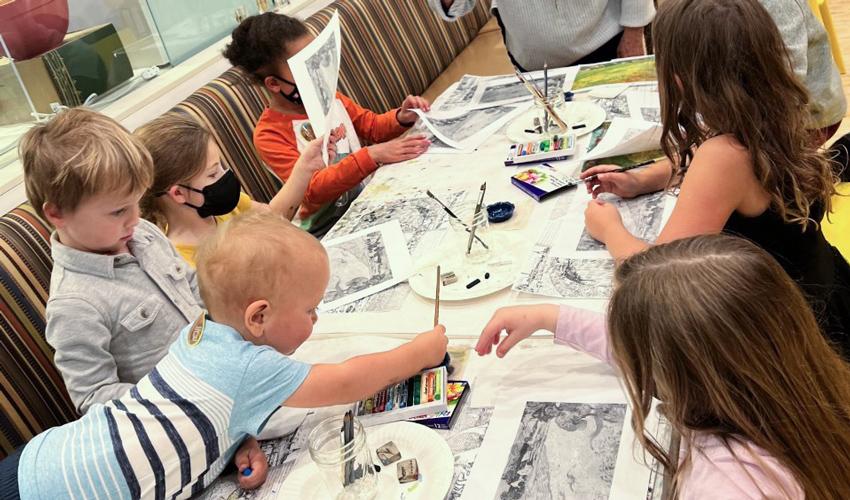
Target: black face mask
x: 220, y: 197
x: 293, y: 96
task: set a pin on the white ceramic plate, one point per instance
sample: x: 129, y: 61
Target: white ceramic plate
x: 574, y: 112
x: 432, y: 453
x: 502, y: 266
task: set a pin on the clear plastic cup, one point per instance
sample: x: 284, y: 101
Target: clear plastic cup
x: 347, y: 469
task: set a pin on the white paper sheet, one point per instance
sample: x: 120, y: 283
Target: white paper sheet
x: 467, y: 130
x: 627, y: 136
x: 316, y: 72
x: 644, y: 105
x: 366, y: 262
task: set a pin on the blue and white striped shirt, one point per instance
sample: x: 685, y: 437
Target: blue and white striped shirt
x: 173, y: 433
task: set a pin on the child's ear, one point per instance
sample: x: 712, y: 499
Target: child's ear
x: 272, y: 84
x: 53, y: 215
x: 176, y: 193
x: 255, y: 317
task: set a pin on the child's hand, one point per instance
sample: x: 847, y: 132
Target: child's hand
x: 609, y: 179
x: 310, y: 160
x: 400, y: 149
x: 599, y: 217
x: 407, y: 117
x: 518, y: 323
x: 432, y: 344
x: 251, y: 456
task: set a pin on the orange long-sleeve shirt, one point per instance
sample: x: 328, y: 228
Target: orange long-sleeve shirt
x: 275, y: 140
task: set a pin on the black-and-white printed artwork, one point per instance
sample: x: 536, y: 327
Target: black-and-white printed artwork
x: 356, y: 265
x: 462, y: 127
x: 642, y: 216
x: 564, y: 451
x: 567, y: 278
x: 516, y: 90
x: 323, y: 68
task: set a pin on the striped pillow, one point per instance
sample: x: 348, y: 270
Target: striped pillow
x: 32, y: 395
x: 391, y: 49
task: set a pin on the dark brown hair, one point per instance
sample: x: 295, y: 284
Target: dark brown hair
x: 714, y: 328
x: 260, y: 41
x: 178, y: 146
x: 723, y: 69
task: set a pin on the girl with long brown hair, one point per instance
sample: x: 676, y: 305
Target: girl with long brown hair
x: 735, y: 129
x: 715, y: 329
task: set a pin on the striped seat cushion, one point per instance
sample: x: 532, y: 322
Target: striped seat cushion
x: 229, y: 107
x: 391, y: 49
x: 32, y: 395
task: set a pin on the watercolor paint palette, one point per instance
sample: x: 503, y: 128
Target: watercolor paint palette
x: 558, y: 147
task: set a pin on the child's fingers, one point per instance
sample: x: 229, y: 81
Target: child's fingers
x: 490, y: 335
x: 507, y: 343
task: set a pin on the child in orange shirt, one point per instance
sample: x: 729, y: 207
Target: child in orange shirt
x: 261, y: 45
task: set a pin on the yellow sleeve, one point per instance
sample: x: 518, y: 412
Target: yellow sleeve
x: 187, y: 252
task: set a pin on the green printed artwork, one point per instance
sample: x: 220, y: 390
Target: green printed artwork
x: 629, y: 71
x: 625, y: 160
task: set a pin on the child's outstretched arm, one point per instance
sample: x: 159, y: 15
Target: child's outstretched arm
x: 288, y: 199
x: 362, y: 376
x: 580, y: 329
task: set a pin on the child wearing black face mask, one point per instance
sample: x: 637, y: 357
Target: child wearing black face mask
x: 192, y: 192
x: 261, y: 45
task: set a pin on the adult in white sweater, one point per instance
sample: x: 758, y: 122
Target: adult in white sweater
x: 563, y: 32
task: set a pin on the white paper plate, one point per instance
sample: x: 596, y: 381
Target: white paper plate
x: 432, y: 453
x: 574, y: 112
x: 503, y: 267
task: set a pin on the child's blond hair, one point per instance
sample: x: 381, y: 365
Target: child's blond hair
x: 81, y: 153
x: 255, y: 255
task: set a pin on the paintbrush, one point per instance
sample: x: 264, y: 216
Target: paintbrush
x: 455, y: 217
x: 437, y: 299
x: 475, y: 217
x: 535, y: 92
x: 546, y: 96
x: 620, y: 170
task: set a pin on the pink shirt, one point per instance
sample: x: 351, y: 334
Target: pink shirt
x: 715, y: 472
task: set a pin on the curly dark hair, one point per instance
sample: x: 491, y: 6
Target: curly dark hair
x: 260, y: 40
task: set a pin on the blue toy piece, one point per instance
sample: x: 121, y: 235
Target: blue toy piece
x: 247, y: 471
x: 500, y: 211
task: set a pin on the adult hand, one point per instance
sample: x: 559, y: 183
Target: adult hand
x: 400, y: 149
x: 600, y: 217
x: 609, y: 179
x: 407, y: 117
x: 632, y: 43
x: 250, y: 455
x: 518, y: 323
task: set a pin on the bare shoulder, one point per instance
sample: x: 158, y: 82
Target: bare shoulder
x: 724, y: 155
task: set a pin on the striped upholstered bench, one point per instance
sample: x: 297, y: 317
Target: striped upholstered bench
x: 32, y: 395
x: 390, y: 49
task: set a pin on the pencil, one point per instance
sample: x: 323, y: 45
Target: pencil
x: 437, y: 299
x: 620, y: 170
x: 475, y: 217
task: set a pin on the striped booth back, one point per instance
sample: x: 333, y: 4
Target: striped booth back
x: 32, y: 395
x: 390, y: 49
